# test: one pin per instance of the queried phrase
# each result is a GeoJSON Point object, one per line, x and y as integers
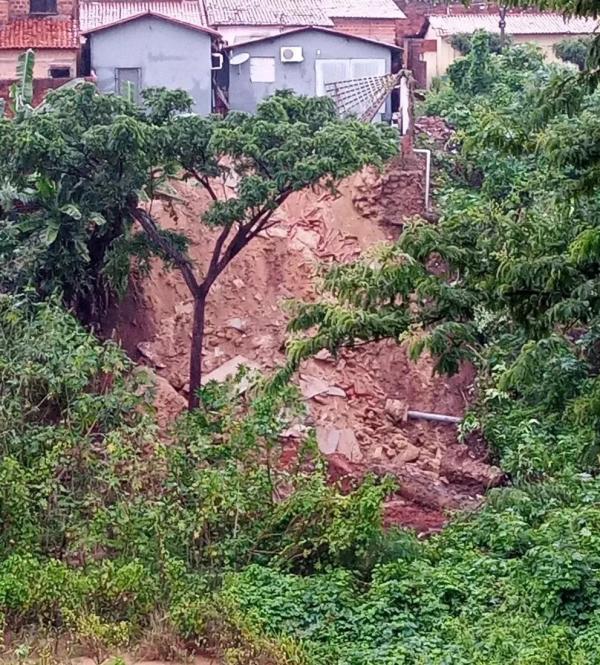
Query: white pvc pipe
{"type": "Point", "coordinates": [437, 417]}
{"type": "Point", "coordinates": [427, 154]}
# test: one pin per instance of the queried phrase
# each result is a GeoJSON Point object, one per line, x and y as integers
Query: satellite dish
{"type": "Point", "coordinates": [239, 59]}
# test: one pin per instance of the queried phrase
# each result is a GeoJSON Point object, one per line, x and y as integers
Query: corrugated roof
{"type": "Point", "coordinates": [266, 12]}
{"type": "Point", "coordinates": [96, 14]}
{"type": "Point", "coordinates": [516, 24]}
{"type": "Point", "coordinates": [362, 9]}
{"type": "Point", "coordinates": [329, 31]}
{"type": "Point", "coordinates": [160, 17]}
{"type": "Point", "coordinates": [40, 33]}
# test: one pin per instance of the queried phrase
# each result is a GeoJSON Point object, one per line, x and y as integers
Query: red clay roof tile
{"type": "Point", "coordinates": [44, 32]}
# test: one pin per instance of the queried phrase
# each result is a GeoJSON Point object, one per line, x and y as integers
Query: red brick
{"type": "Point", "coordinates": [383, 30]}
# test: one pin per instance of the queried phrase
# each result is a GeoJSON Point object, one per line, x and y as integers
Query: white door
{"type": "Point", "coordinates": [329, 71]}
{"type": "Point", "coordinates": [362, 68]}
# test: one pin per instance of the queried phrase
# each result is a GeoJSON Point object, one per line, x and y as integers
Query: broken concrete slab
{"type": "Point", "coordinates": [229, 369]}
{"type": "Point", "coordinates": [297, 431]}
{"type": "Point", "coordinates": [305, 238]}
{"type": "Point", "coordinates": [311, 386]}
{"type": "Point", "coordinates": [146, 350]}
{"type": "Point", "coordinates": [327, 439]}
{"type": "Point", "coordinates": [277, 232]}
{"type": "Point", "coordinates": [396, 410]}
{"type": "Point", "coordinates": [168, 402]}
{"type": "Point", "coordinates": [237, 324]}
{"type": "Point", "coordinates": [342, 441]}
{"type": "Point", "coordinates": [407, 455]}
{"type": "Point", "coordinates": [324, 355]}
{"type": "Point", "coordinates": [348, 445]}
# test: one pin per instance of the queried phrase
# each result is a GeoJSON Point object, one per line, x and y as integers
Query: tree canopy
{"type": "Point", "coordinates": [574, 50]}
{"type": "Point", "coordinates": [76, 174]}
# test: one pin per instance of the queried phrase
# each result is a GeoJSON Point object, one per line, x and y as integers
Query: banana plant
{"type": "Point", "coordinates": [128, 91]}
{"type": "Point", "coordinates": [21, 92]}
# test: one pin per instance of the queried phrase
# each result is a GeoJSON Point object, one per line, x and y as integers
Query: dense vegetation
{"type": "Point", "coordinates": [462, 42]}
{"type": "Point", "coordinates": [518, 239]}
{"type": "Point", "coordinates": [112, 536]}
{"type": "Point", "coordinates": [105, 527]}
{"type": "Point", "coordinates": [78, 170]}
{"type": "Point", "coordinates": [574, 50]}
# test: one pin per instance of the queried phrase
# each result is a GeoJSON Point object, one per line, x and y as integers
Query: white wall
{"type": "Point", "coordinates": [167, 54]}
{"type": "Point", "coordinates": [301, 77]}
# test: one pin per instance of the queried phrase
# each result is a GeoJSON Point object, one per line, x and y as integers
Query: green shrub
{"type": "Point", "coordinates": [463, 42]}
{"type": "Point", "coordinates": [574, 50]}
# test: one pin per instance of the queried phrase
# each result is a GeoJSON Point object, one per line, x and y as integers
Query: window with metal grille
{"type": "Point", "coordinates": [42, 7]}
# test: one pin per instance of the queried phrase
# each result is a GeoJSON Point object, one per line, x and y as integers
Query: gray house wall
{"type": "Point", "coordinates": [167, 54]}
{"type": "Point", "coordinates": [244, 95]}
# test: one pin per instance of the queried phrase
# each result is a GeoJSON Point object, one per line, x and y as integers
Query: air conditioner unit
{"type": "Point", "coordinates": [291, 54]}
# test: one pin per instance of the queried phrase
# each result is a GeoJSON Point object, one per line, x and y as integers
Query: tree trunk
{"type": "Point", "coordinates": [196, 350]}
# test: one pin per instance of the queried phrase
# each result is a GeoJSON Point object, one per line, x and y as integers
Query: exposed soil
{"type": "Point", "coordinates": [353, 401]}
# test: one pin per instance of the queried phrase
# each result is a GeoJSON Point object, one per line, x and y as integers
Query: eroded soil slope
{"type": "Point", "coordinates": [356, 402]}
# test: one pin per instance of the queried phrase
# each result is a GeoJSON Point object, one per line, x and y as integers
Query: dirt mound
{"type": "Point", "coordinates": [346, 396]}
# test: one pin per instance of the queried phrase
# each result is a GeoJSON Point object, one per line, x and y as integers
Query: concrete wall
{"type": "Point", "coordinates": [439, 61]}
{"type": "Point", "coordinates": [244, 95]}
{"type": "Point", "coordinates": [167, 54]}
{"type": "Point", "coordinates": [44, 59]}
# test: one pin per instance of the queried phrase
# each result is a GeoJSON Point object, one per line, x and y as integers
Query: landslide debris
{"type": "Point", "coordinates": [350, 398]}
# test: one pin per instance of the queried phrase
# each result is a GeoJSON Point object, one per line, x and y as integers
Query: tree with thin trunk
{"type": "Point", "coordinates": [80, 173]}
{"type": "Point", "coordinates": [290, 143]}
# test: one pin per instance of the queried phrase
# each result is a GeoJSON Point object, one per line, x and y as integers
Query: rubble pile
{"type": "Point", "coordinates": [436, 129]}
{"type": "Point", "coordinates": [357, 401]}
{"type": "Point", "coordinates": [393, 196]}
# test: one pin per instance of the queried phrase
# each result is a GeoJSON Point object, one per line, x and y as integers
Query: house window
{"type": "Point", "coordinates": [42, 7]}
{"type": "Point", "coordinates": [262, 70]}
{"type": "Point", "coordinates": [128, 82]}
{"type": "Point", "coordinates": [59, 72]}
